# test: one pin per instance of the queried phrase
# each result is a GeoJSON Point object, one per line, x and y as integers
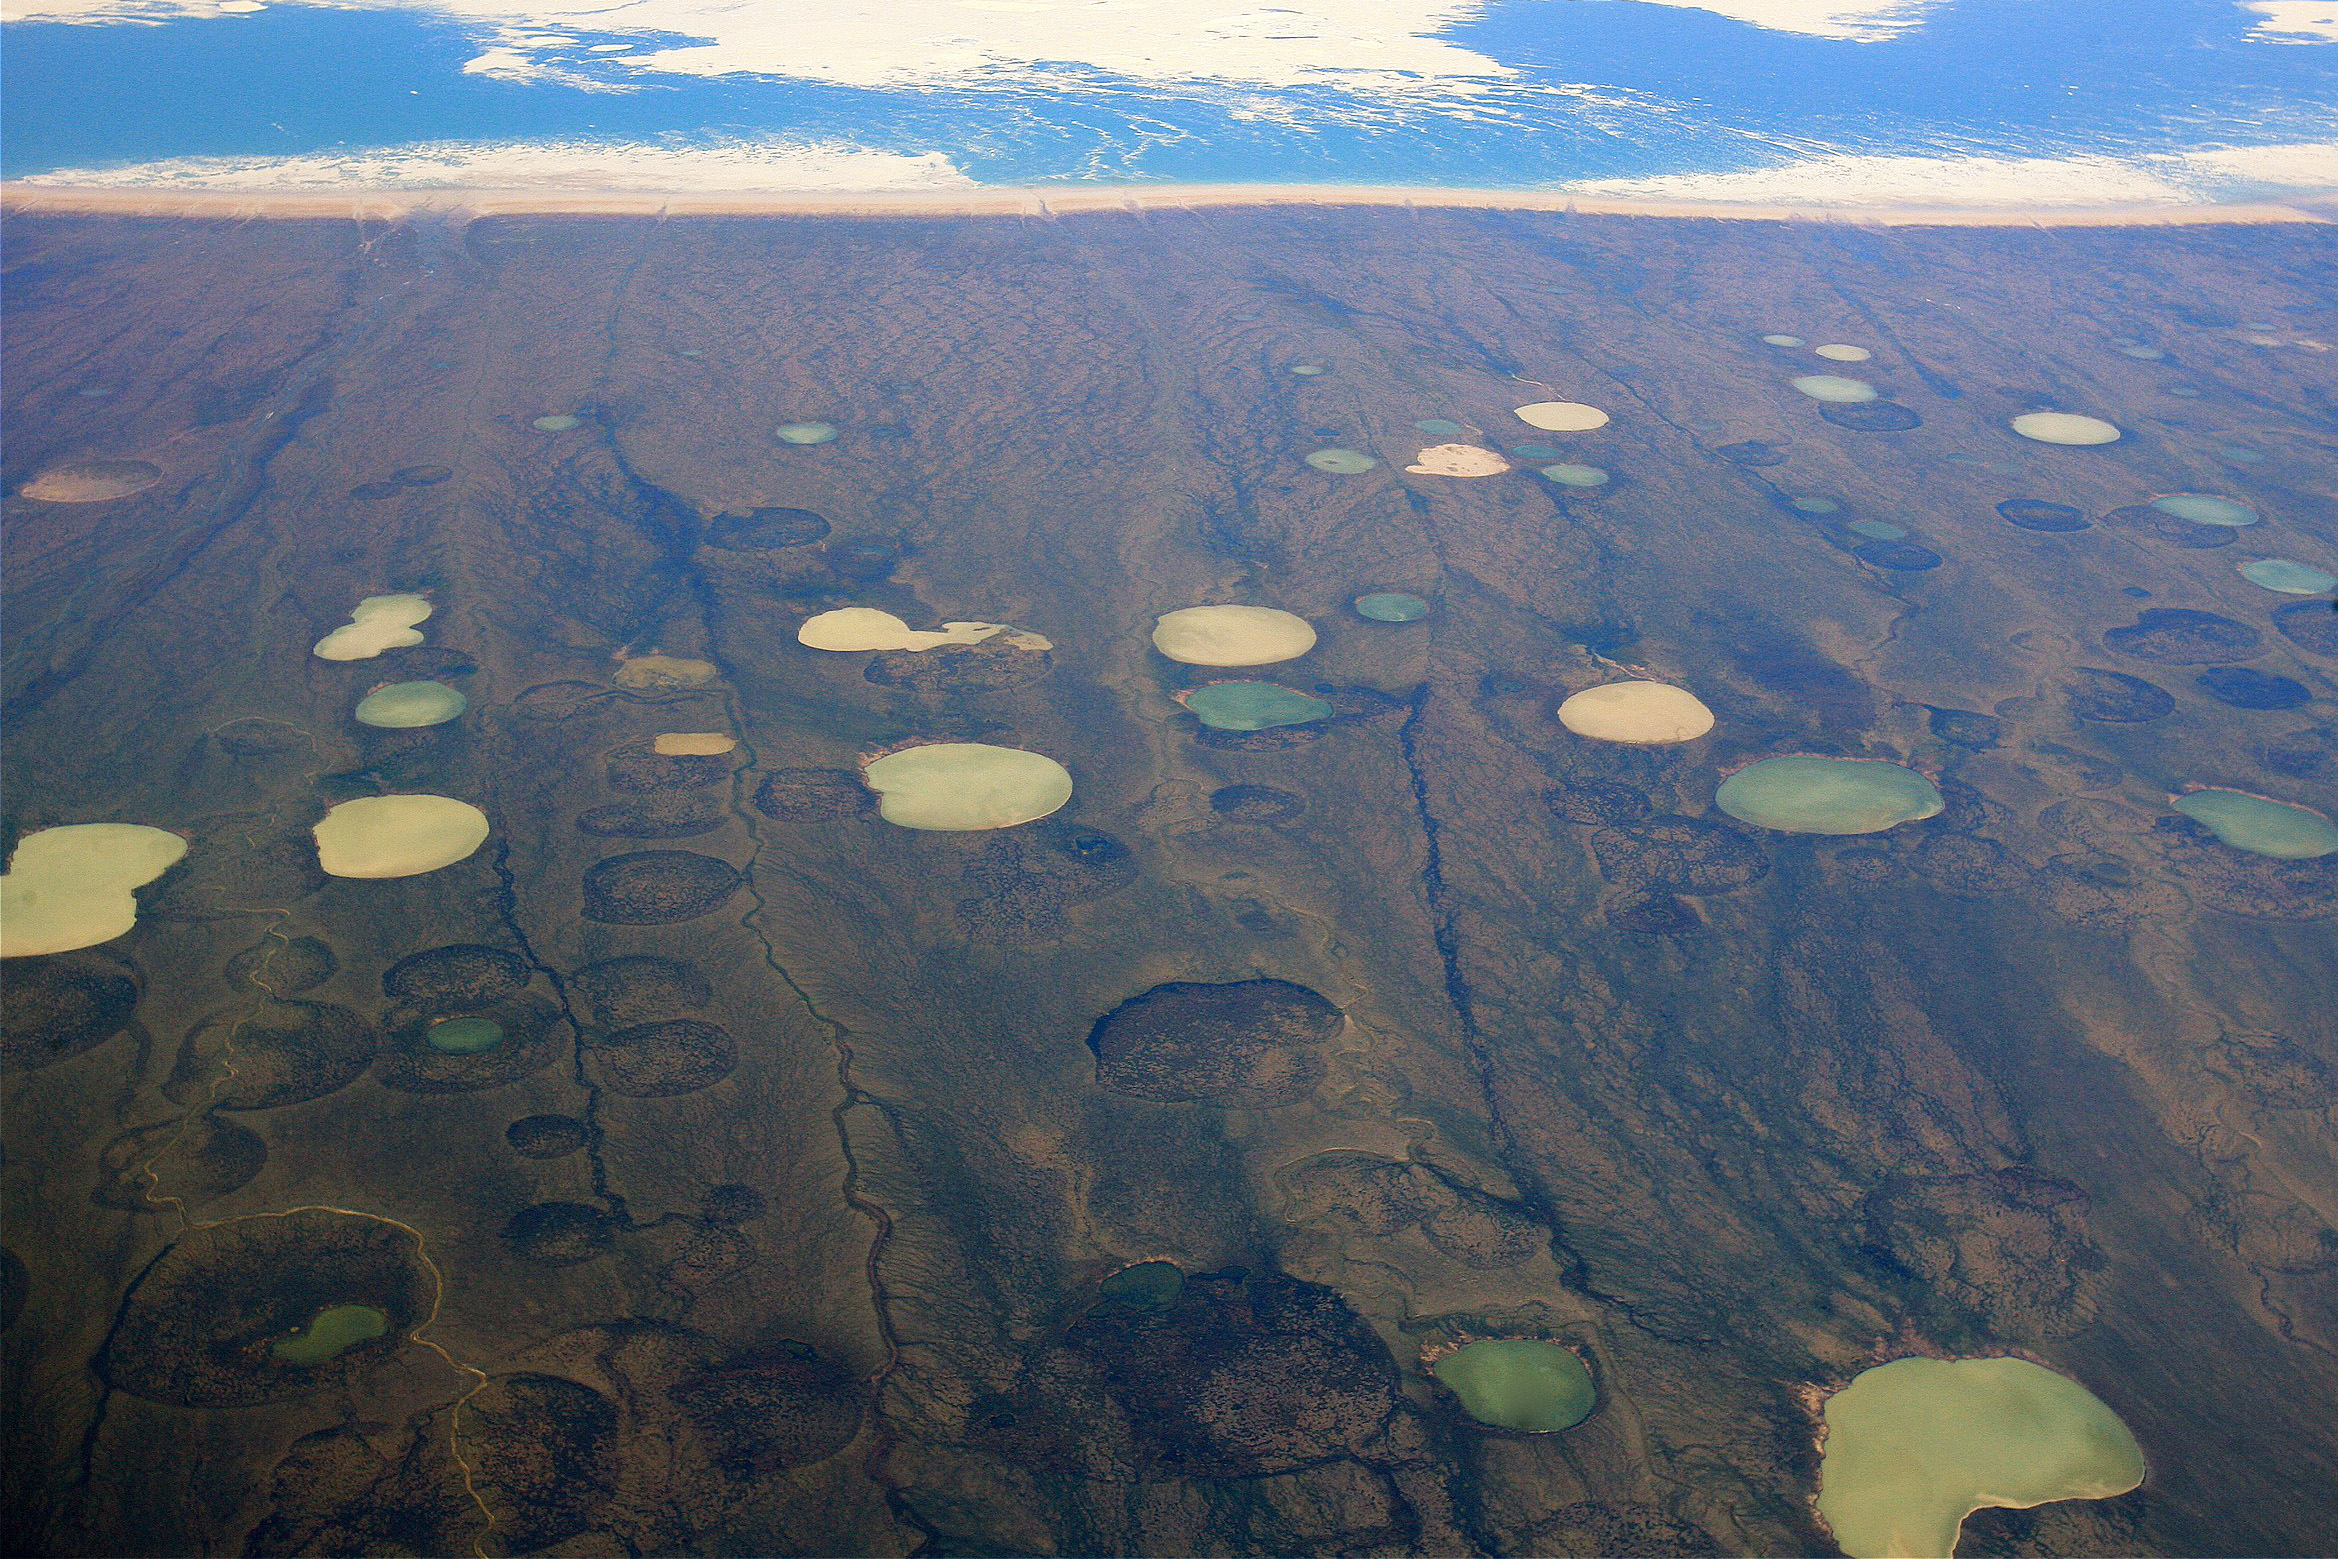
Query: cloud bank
{"type": "Point", "coordinates": [725, 168]}
{"type": "Point", "coordinates": [2194, 177]}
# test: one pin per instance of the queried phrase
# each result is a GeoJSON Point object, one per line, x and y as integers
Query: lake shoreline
{"type": "Point", "coordinates": [391, 205]}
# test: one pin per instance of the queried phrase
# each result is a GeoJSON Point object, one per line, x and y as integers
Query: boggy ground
{"type": "Point", "coordinates": [781, 1219]}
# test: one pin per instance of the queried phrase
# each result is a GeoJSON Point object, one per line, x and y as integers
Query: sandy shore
{"type": "Point", "coordinates": [393, 205]}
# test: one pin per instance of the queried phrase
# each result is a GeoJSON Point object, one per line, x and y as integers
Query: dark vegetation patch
{"type": "Point", "coordinates": [1236, 1376]}
{"type": "Point", "coordinates": [1597, 801]}
{"type": "Point", "coordinates": [671, 816]}
{"type": "Point", "coordinates": [2255, 887]}
{"type": "Point", "coordinates": [2039, 515]}
{"type": "Point", "coordinates": [732, 1204]}
{"type": "Point", "coordinates": [2172, 530]}
{"type": "Point", "coordinates": [1685, 854]}
{"type": "Point", "coordinates": [1610, 1529]}
{"type": "Point", "coordinates": [813, 795]}
{"type": "Point", "coordinates": [2310, 625]}
{"type": "Point", "coordinates": [532, 1040]}
{"type": "Point", "coordinates": [772, 1409]}
{"type": "Point", "coordinates": [417, 663]}
{"type": "Point", "coordinates": [989, 666]}
{"type": "Point", "coordinates": [1365, 1193]}
{"type": "Point", "coordinates": [2114, 697]}
{"type": "Point", "coordinates": [60, 1005]}
{"type": "Point", "coordinates": [1872, 416]}
{"type": "Point", "coordinates": [659, 1059]}
{"type": "Point", "coordinates": [559, 1234]}
{"type": "Point", "coordinates": [657, 887]}
{"type": "Point", "coordinates": [1275, 738]}
{"type": "Point", "coordinates": [197, 1328]}
{"type": "Point", "coordinates": [1653, 913]}
{"type": "Point", "coordinates": [207, 1157]}
{"type": "Point", "coordinates": [281, 1052]}
{"type": "Point", "coordinates": [2179, 636]}
{"type": "Point", "coordinates": [1966, 729]}
{"type": "Point", "coordinates": [1969, 865]}
{"type": "Point", "coordinates": [2302, 753]}
{"type": "Point", "coordinates": [2245, 687]}
{"type": "Point", "coordinates": [1249, 1044]}
{"type": "Point", "coordinates": [756, 530]}
{"type": "Point", "coordinates": [1753, 453]}
{"type": "Point", "coordinates": [337, 1491]}
{"type": "Point", "coordinates": [1783, 662]}
{"type": "Point", "coordinates": [287, 968]}
{"type": "Point", "coordinates": [638, 767]}
{"type": "Point", "coordinates": [862, 561]}
{"type": "Point", "coordinates": [1901, 556]}
{"type": "Point", "coordinates": [1025, 879]}
{"type": "Point", "coordinates": [2008, 1247]}
{"type": "Point", "coordinates": [546, 1136]}
{"type": "Point", "coordinates": [544, 1457]}
{"type": "Point", "coordinates": [457, 978]}
{"type": "Point", "coordinates": [255, 739]}
{"type": "Point", "coordinates": [637, 988]}
{"type": "Point", "coordinates": [1256, 804]}
{"type": "Point", "coordinates": [2275, 1071]}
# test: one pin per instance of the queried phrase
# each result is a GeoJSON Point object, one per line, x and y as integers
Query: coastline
{"type": "Point", "coordinates": [392, 205]}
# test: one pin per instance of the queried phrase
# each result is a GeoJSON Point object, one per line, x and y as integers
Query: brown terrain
{"type": "Point", "coordinates": [784, 1218]}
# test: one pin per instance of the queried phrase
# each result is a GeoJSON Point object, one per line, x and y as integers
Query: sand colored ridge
{"type": "Point", "coordinates": [74, 886]}
{"type": "Point", "coordinates": [1457, 460]}
{"type": "Point", "coordinates": [397, 836]}
{"type": "Point", "coordinates": [664, 671]}
{"type": "Point", "coordinates": [1835, 389]}
{"type": "Point", "coordinates": [405, 706]}
{"type": "Point", "coordinates": [866, 628]}
{"type": "Point", "coordinates": [1232, 635]}
{"type": "Point", "coordinates": [381, 622]}
{"type": "Point", "coordinates": [1916, 1445]}
{"type": "Point", "coordinates": [958, 787]}
{"type": "Point", "coordinates": [2064, 427]}
{"type": "Point", "coordinates": [92, 481]}
{"type": "Point", "coordinates": [1637, 712]}
{"type": "Point", "coordinates": [692, 744]}
{"type": "Point", "coordinates": [1562, 416]}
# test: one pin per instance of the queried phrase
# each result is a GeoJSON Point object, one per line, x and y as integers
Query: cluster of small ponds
{"type": "Point", "coordinates": [1911, 1447]}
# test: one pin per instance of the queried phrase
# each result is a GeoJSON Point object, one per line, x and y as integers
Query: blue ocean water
{"type": "Point", "coordinates": [1602, 89]}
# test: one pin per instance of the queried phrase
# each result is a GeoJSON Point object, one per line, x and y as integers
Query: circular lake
{"type": "Point", "coordinates": [1808, 794]}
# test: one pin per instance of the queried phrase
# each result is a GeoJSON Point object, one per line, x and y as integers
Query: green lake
{"type": "Point", "coordinates": [1808, 794]}
{"type": "Point", "coordinates": [1519, 1383]}
{"type": "Point", "coordinates": [336, 1330]}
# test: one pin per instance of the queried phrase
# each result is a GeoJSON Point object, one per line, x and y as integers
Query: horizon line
{"type": "Point", "coordinates": [359, 202]}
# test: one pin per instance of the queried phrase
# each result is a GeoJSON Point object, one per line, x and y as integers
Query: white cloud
{"type": "Point", "coordinates": [2294, 21]}
{"type": "Point", "coordinates": [1378, 47]}
{"type": "Point", "coordinates": [1862, 21]}
{"type": "Point", "coordinates": [746, 168]}
{"type": "Point", "coordinates": [1858, 179]}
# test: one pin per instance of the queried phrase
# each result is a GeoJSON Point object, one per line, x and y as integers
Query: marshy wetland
{"type": "Point", "coordinates": [1302, 880]}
